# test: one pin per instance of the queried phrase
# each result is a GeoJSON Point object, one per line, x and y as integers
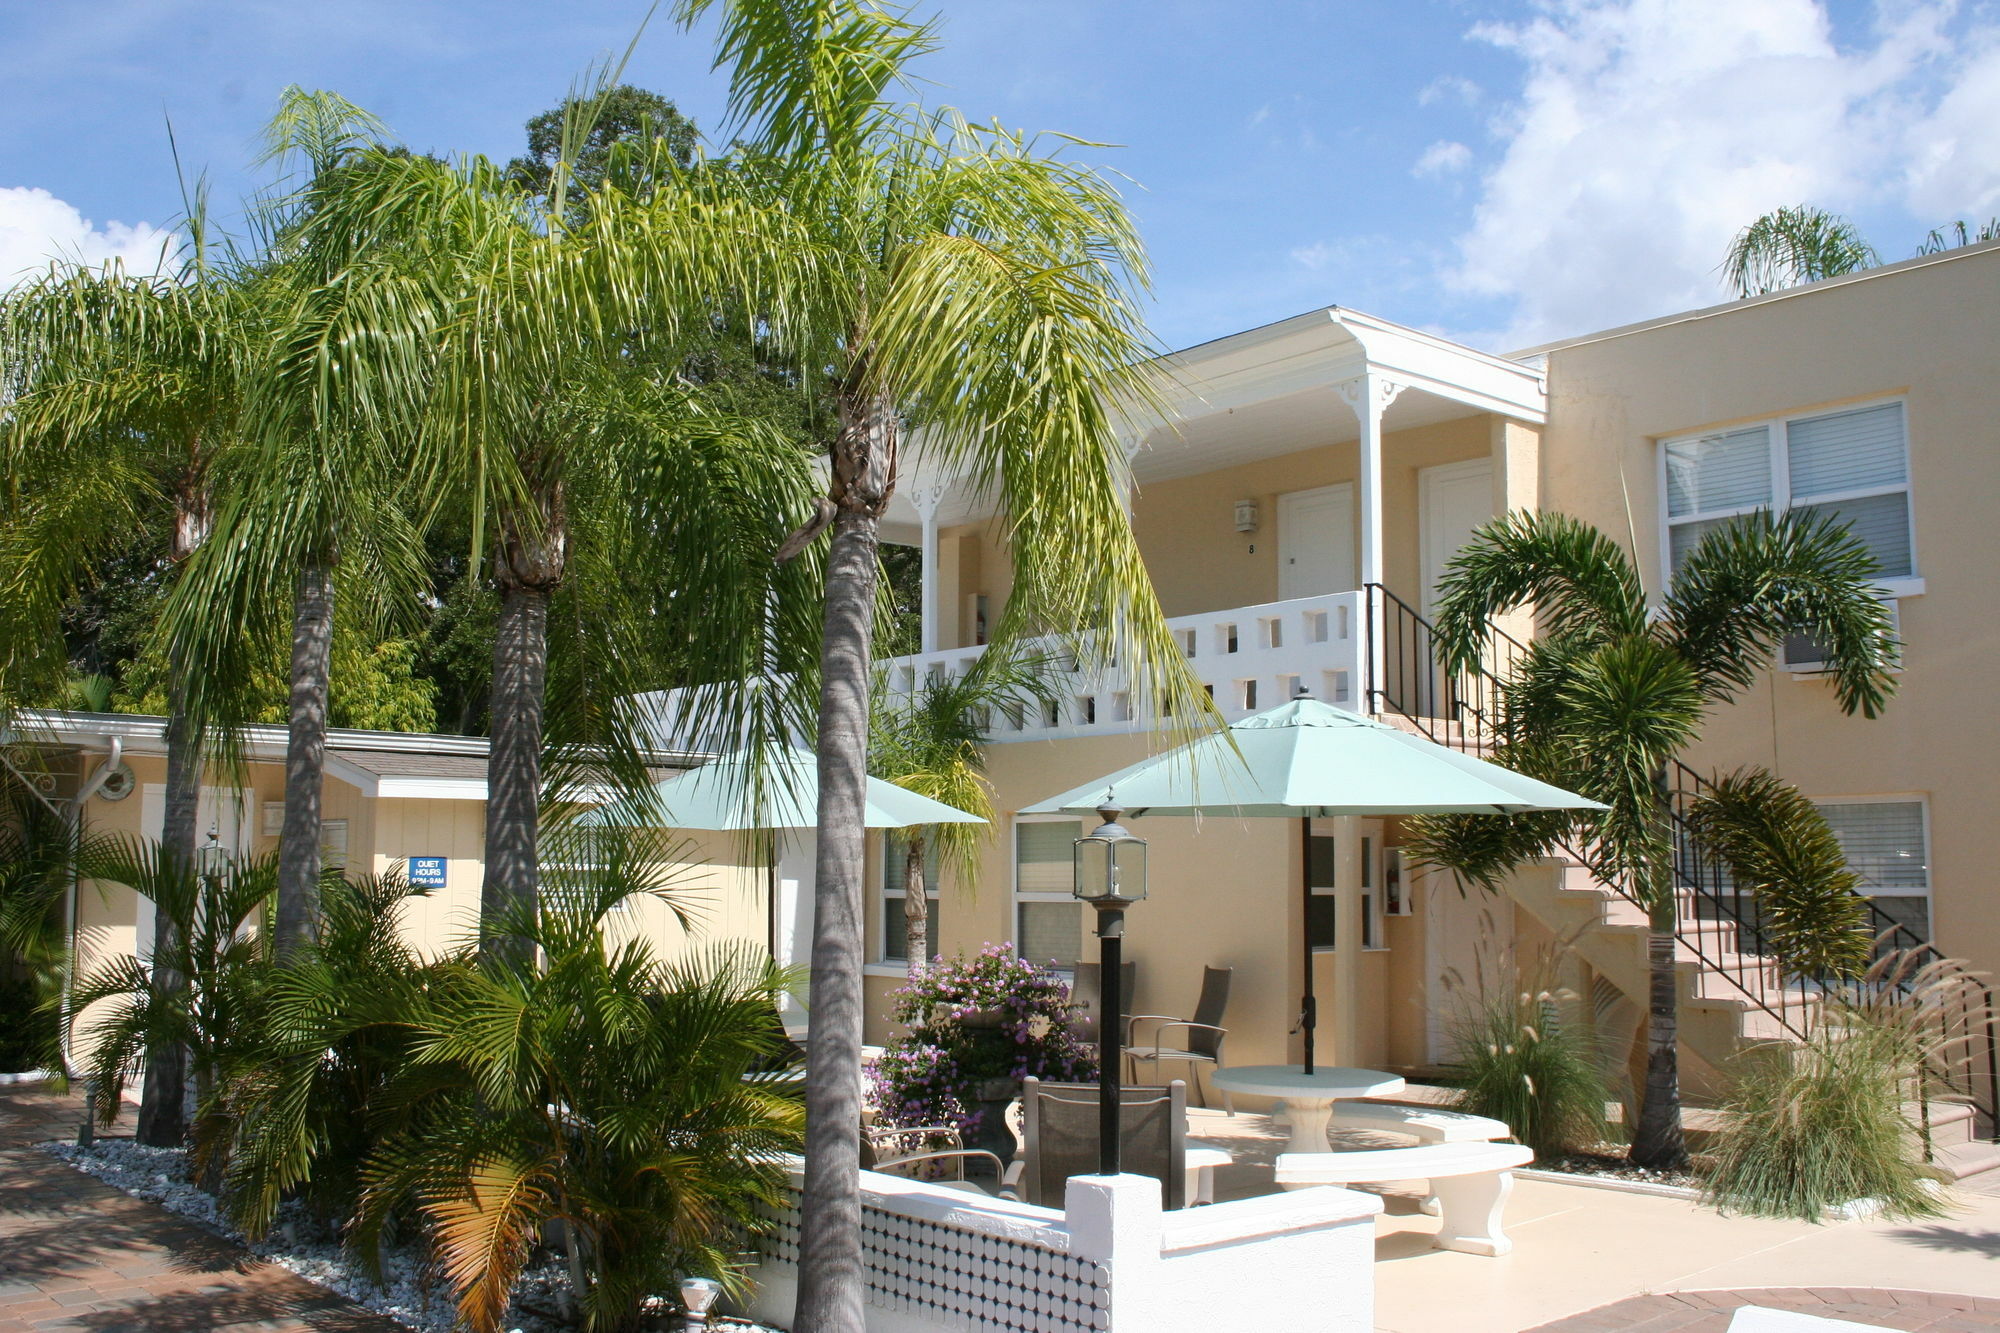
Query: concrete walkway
{"type": "Point", "coordinates": [76, 1254]}
{"type": "Point", "coordinates": [1577, 1249]}
{"type": "Point", "coordinates": [1711, 1311]}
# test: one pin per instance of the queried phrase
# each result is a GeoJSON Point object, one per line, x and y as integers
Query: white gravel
{"type": "Point", "coordinates": [298, 1242]}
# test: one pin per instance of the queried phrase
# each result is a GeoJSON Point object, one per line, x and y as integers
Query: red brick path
{"type": "Point", "coordinates": [76, 1254]}
{"type": "Point", "coordinates": [1710, 1311]}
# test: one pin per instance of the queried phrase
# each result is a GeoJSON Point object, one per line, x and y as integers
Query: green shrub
{"type": "Point", "coordinates": [1521, 1062]}
{"type": "Point", "coordinates": [28, 1028]}
{"type": "Point", "coordinates": [1822, 1124]}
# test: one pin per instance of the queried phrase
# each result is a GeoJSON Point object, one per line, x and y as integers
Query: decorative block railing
{"type": "Point", "coordinates": [940, 1259]}
{"type": "Point", "coordinates": [1249, 658]}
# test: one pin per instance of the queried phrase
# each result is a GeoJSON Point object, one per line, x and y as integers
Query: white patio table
{"type": "Point", "coordinates": [1308, 1098]}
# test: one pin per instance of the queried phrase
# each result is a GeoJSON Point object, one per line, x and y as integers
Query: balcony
{"type": "Point", "coordinates": [1249, 658]}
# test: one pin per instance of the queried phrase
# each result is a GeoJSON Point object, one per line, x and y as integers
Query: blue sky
{"type": "Point", "coordinates": [1500, 172]}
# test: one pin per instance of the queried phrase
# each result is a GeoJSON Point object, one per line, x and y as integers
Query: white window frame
{"type": "Point", "coordinates": [1780, 502]}
{"type": "Point", "coordinates": [884, 895]}
{"type": "Point", "coordinates": [1017, 897]}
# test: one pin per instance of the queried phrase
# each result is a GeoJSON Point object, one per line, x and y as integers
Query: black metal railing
{"type": "Point", "coordinates": [1462, 708]}
{"type": "Point", "coordinates": [1457, 707]}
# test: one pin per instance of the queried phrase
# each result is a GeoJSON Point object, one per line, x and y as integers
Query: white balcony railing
{"type": "Point", "coordinates": [1249, 657]}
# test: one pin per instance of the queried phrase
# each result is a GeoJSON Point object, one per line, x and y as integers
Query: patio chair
{"type": "Point", "coordinates": [902, 1152]}
{"type": "Point", "coordinates": [1198, 1040]}
{"type": "Point", "coordinates": [1086, 997]}
{"type": "Point", "coordinates": [1060, 1120]}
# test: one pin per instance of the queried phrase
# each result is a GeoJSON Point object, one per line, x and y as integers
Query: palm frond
{"type": "Point", "coordinates": [1793, 244]}
{"type": "Point", "coordinates": [1582, 586]}
{"type": "Point", "coordinates": [1779, 849]}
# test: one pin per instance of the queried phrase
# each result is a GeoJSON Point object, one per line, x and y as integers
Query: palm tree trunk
{"type": "Point", "coordinates": [514, 763]}
{"type": "Point", "coordinates": [830, 1273]}
{"type": "Point", "coordinates": [163, 1119]}
{"type": "Point", "coordinates": [1656, 1141]}
{"type": "Point", "coordinates": [305, 760]}
{"type": "Point", "coordinates": [916, 906]}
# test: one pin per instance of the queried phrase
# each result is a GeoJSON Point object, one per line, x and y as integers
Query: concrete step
{"type": "Point", "coordinates": [1963, 1160]}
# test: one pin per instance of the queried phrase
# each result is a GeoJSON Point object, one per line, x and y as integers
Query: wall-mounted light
{"type": "Point", "coordinates": [1246, 515]}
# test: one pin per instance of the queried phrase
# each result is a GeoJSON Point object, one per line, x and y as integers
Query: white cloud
{"type": "Point", "coordinates": [36, 227]}
{"type": "Point", "coordinates": [1648, 132]}
{"type": "Point", "coordinates": [1443, 158]}
{"type": "Point", "coordinates": [1452, 88]}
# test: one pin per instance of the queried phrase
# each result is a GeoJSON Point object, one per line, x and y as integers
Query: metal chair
{"type": "Point", "coordinates": [1086, 997]}
{"type": "Point", "coordinates": [895, 1152]}
{"type": "Point", "coordinates": [1060, 1120]}
{"type": "Point", "coordinates": [1201, 1042]}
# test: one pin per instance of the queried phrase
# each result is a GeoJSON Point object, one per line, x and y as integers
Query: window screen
{"type": "Point", "coordinates": [1045, 856]}
{"type": "Point", "coordinates": [1884, 843]}
{"type": "Point", "coordinates": [1050, 932]}
{"type": "Point", "coordinates": [894, 931]}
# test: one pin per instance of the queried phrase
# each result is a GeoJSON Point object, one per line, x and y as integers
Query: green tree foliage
{"type": "Point", "coordinates": [621, 115]}
{"type": "Point", "coordinates": [375, 686]}
{"type": "Point", "coordinates": [1779, 849]}
{"type": "Point", "coordinates": [1613, 688]}
{"type": "Point", "coordinates": [1794, 244]}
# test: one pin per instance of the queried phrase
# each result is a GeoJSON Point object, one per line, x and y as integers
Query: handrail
{"type": "Point", "coordinates": [1461, 709]}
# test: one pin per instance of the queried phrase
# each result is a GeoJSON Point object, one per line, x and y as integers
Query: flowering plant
{"type": "Point", "coordinates": [972, 1022]}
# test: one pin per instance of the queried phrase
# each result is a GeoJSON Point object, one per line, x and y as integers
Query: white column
{"type": "Point", "coordinates": [1369, 395]}
{"type": "Point", "coordinates": [928, 500]}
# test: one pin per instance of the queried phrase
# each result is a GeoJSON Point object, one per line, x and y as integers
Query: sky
{"type": "Point", "coordinates": [1501, 173]}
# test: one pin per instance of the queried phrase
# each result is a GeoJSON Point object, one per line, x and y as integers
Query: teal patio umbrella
{"type": "Point", "coordinates": [778, 791]}
{"type": "Point", "coordinates": [1305, 760]}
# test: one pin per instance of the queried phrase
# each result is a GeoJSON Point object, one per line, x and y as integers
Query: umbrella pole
{"type": "Point", "coordinates": [1309, 1005]}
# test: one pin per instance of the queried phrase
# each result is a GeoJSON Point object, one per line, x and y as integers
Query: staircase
{"type": "Point", "coordinates": [1734, 990]}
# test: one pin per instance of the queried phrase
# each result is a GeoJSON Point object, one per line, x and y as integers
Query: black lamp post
{"type": "Point", "coordinates": [1110, 875]}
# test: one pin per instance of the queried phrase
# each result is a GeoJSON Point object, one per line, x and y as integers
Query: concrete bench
{"type": "Point", "coordinates": [1432, 1124]}
{"type": "Point", "coordinates": [1471, 1182]}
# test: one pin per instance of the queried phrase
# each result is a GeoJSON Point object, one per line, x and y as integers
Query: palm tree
{"type": "Point", "coordinates": [201, 996]}
{"type": "Point", "coordinates": [1794, 244]}
{"type": "Point", "coordinates": [1612, 690]}
{"type": "Point", "coordinates": [976, 296]}
{"type": "Point", "coordinates": [318, 500]}
{"type": "Point", "coordinates": [128, 397]}
{"type": "Point", "coordinates": [933, 743]}
{"type": "Point", "coordinates": [538, 427]}
{"type": "Point", "coordinates": [595, 1085]}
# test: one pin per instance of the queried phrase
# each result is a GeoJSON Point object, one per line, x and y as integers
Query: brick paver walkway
{"type": "Point", "coordinates": [1710, 1311]}
{"type": "Point", "coordinates": [76, 1254]}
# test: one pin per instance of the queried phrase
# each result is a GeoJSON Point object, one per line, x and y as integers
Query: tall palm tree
{"type": "Point", "coordinates": [933, 743]}
{"type": "Point", "coordinates": [1612, 689]}
{"type": "Point", "coordinates": [1794, 244]}
{"type": "Point", "coordinates": [318, 500]}
{"type": "Point", "coordinates": [537, 424]}
{"type": "Point", "coordinates": [976, 297]}
{"type": "Point", "coordinates": [128, 393]}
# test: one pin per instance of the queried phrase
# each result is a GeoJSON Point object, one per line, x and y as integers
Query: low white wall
{"type": "Point", "coordinates": [1112, 1259]}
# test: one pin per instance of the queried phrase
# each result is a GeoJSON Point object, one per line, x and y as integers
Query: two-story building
{"type": "Point", "coordinates": [1296, 516]}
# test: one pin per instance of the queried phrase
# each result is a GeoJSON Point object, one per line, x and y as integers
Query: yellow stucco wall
{"type": "Point", "coordinates": [1927, 335]}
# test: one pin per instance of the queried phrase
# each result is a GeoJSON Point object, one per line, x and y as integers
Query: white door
{"type": "Point", "coordinates": [1316, 542]}
{"type": "Point", "coordinates": [1453, 499]}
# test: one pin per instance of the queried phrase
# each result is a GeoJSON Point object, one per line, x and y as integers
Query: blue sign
{"type": "Point", "coordinates": [427, 872]}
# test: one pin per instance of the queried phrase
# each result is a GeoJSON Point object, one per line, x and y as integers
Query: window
{"type": "Point", "coordinates": [1322, 874]}
{"type": "Point", "coordinates": [895, 933]}
{"type": "Point", "coordinates": [1048, 920]}
{"type": "Point", "coordinates": [1887, 844]}
{"type": "Point", "coordinates": [333, 844]}
{"type": "Point", "coordinates": [1852, 464]}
